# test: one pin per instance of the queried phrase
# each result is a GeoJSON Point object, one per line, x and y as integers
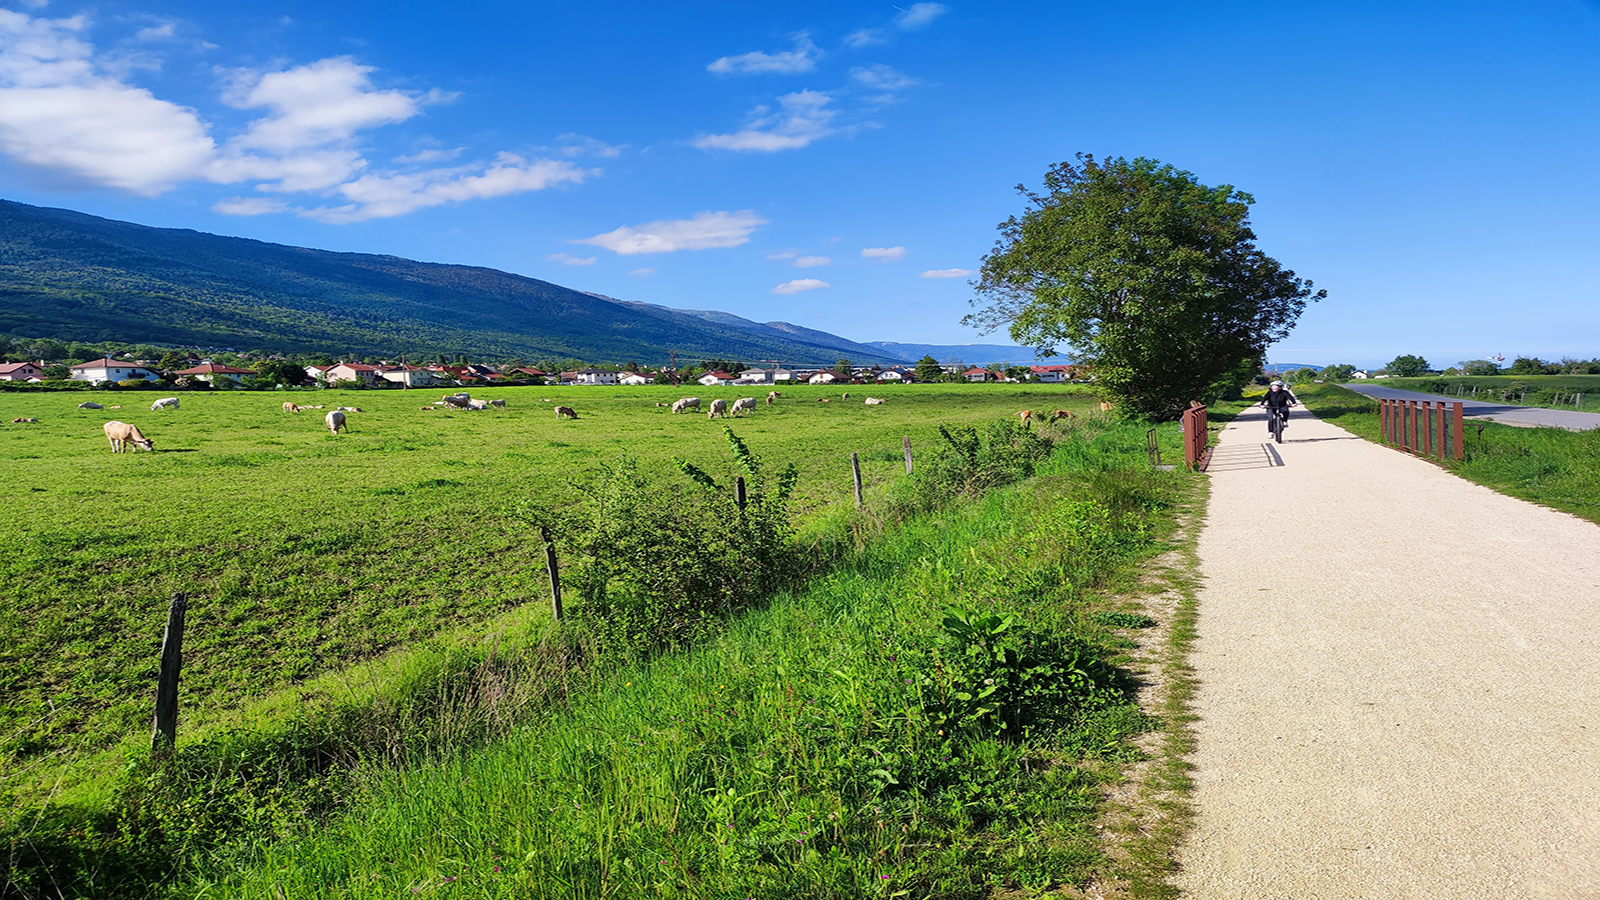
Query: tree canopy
{"type": "Point", "coordinates": [1153, 279]}
{"type": "Point", "coordinates": [1407, 366]}
{"type": "Point", "coordinates": [928, 369]}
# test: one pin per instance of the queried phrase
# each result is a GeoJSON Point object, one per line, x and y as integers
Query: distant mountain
{"type": "Point", "coordinates": [71, 276]}
{"type": "Point", "coordinates": [971, 354]}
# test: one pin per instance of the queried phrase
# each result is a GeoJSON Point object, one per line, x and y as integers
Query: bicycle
{"type": "Point", "coordinates": [1277, 418]}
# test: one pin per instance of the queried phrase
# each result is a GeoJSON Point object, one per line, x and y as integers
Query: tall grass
{"type": "Point", "coordinates": [810, 750]}
{"type": "Point", "coordinates": [1550, 466]}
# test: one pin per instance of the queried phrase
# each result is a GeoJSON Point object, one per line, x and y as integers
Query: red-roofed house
{"type": "Point", "coordinates": [1053, 374]}
{"type": "Point", "coordinates": [978, 375]}
{"type": "Point", "coordinates": [712, 379]}
{"type": "Point", "coordinates": [22, 371]}
{"type": "Point", "coordinates": [210, 372]}
{"type": "Point", "coordinates": [357, 372]}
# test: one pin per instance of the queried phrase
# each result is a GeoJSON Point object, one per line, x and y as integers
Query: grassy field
{"type": "Point", "coordinates": [1580, 392]}
{"type": "Point", "coordinates": [840, 741]}
{"type": "Point", "coordinates": [1550, 466]}
{"type": "Point", "coordinates": [304, 552]}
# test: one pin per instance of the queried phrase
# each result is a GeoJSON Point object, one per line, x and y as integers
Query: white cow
{"type": "Point", "coordinates": [477, 404]}
{"type": "Point", "coordinates": [684, 403]}
{"type": "Point", "coordinates": [719, 407]}
{"type": "Point", "coordinates": [875, 401]}
{"type": "Point", "coordinates": [164, 403]}
{"type": "Point", "coordinates": [771, 396]}
{"type": "Point", "coordinates": [744, 405]}
{"type": "Point", "coordinates": [121, 434]}
{"type": "Point", "coordinates": [458, 401]}
{"type": "Point", "coordinates": [90, 404]}
{"type": "Point", "coordinates": [335, 420]}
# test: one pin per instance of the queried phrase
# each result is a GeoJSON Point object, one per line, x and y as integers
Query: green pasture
{"type": "Point", "coordinates": [304, 552]}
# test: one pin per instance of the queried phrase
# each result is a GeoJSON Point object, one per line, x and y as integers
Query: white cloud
{"type": "Point", "coordinates": [803, 58]}
{"type": "Point", "coordinates": [578, 145]}
{"type": "Point", "coordinates": [882, 78]}
{"type": "Point", "coordinates": [383, 196]}
{"type": "Point", "coordinates": [866, 37]}
{"type": "Point", "coordinates": [804, 118]}
{"type": "Point", "coordinates": [919, 16]}
{"type": "Point", "coordinates": [249, 206]}
{"type": "Point", "coordinates": [59, 113]}
{"type": "Point", "coordinates": [883, 254]}
{"type": "Point", "coordinates": [800, 284]}
{"type": "Point", "coordinates": [948, 273]}
{"type": "Point", "coordinates": [641, 272]}
{"type": "Point", "coordinates": [70, 112]}
{"type": "Point", "coordinates": [707, 230]}
{"type": "Point", "coordinates": [568, 260]}
{"type": "Point", "coordinates": [807, 262]}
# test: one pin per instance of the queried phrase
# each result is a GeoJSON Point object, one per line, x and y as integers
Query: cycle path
{"type": "Point", "coordinates": [1509, 414]}
{"type": "Point", "coordinates": [1399, 681]}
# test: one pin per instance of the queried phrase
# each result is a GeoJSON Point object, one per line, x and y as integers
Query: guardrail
{"type": "Point", "coordinates": [1195, 436]}
{"type": "Point", "coordinates": [1424, 427]}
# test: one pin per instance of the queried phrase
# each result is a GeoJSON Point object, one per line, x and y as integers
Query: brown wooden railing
{"type": "Point", "coordinates": [1195, 436]}
{"type": "Point", "coordinates": [1424, 427]}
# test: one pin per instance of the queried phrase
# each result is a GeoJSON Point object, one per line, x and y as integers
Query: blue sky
{"type": "Point", "coordinates": [843, 165]}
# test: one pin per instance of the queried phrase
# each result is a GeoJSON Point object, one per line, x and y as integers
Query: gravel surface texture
{"type": "Point", "coordinates": [1535, 416]}
{"type": "Point", "coordinates": [1399, 681]}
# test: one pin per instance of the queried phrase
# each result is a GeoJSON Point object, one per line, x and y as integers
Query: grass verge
{"type": "Point", "coordinates": [1549, 466]}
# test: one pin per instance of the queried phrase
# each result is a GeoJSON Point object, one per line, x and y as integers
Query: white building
{"type": "Point", "coordinates": [594, 376]}
{"type": "Point", "coordinates": [108, 369]}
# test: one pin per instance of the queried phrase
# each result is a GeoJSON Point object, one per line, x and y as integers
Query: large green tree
{"type": "Point", "coordinates": [1152, 278]}
{"type": "Point", "coordinates": [928, 369]}
{"type": "Point", "coordinates": [1407, 365]}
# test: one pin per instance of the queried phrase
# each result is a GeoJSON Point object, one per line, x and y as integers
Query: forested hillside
{"type": "Point", "coordinates": [75, 277]}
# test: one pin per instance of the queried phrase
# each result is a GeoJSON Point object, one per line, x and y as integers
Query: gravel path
{"type": "Point", "coordinates": [1399, 681]}
{"type": "Point", "coordinates": [1570, 419]}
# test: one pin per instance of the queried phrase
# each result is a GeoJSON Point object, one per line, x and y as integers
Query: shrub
{"type": "Point", "coordinates": [969, 463]}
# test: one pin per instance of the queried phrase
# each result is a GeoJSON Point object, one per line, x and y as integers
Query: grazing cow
{"type": "Point", "coordinates": [478, 405]}
{"type": "Point", "coordinates": [1104, 406]}
{"type": "Point", "coordinates": [458, 401]}
{"type": "Point", "coordinates": [566, 412]}
{"type": "Point", "coordinates": [1026, 416]}
{"type": "Point", "coordinates": [164, 403]}
{"type": "Point", "coordinates": [847, 395]}
{"type": "Point", "coordinates": [1059, 414]}
{"type": "Point", "coordinates": [20, 421]}
{"type": "Point", "coordinates": [743, 405]}
{"type": "Point", "coordinates": [121, 434]}
{"type": "Point", "coordinates": [335, 420]}
{"type": "Point", "coordinates": [348, 408]}
{"type": "Point", "coordinates": [684, 403]}
{"type": "Point", "coordinates": [771, 396]}
{"type": "Point", "coordinates": [498, 404]}
{"type": "Point", "coordinates": [290, 406]}
{"type": "Point", "coordinates": [90, 404]}
{"type": "Point", "coordinates": [719, 407]}
{"type": "Point", "coordinates": [876, 401]}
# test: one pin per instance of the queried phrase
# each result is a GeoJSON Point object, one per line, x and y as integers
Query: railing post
{"type": "Point", "coordinates": [1442, 434]}
{"type": "Point", "coordinates": [855, 470]}
{"type": "Point", "coordinates": [1456, 430]}
{"type": "Point", "coordinates": [1383, 420]}
{"type": "Point", "coordinates": [164, 734]}
{"type": "Point", "coordinates": [553, 568]}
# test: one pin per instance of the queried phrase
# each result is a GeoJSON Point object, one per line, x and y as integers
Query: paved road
{"type": "Point", "coordinates": [1570, 419]}
{"type": "Point", "coordinates": [1399, 681]}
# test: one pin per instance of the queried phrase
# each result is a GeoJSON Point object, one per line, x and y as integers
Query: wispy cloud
{"type": "Point", "coordinates": [948, 273]}
{"type": "Point", "coordinates": [881, 78]}
{"type": "Point", "coordinates": [581, 145]}
{"type": "Point", "coordinates": [434, 155]}
{"type": "Point", "coordinates": [641, 272]}
{"type": "Point", "coordinates": [800, 284]}
{"type": "Point", "coordinates": [803, 58]}
{"type": "Point", "coordinates": [919, 16]}
{"type": "Point", "coordinates": [570, 260]}
{"type": "Point", "coordinates": [809, 262]}
{"type": "Point", "coordinates": [803, 118]}
{"type": "Point", "coordinates": [74, 114]}
{"type": "Point", "coordinates": [705, 231]}
{"type": "Point", "coordinates": [866, 37]}
{"type": "Point", "coordinates": [883, 254]}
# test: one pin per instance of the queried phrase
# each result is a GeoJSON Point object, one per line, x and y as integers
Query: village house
{"type": "Point", "coordinates": [714, 379]}
{"type": "Point", "coordinates": [1052, 374]}
{"type": "Point", "coordinates": [591, 376]}
{"type": "Point", "coordinates": [764, 376]}
{"type": "Point", "coordinates": [107, 369]}
{"type": "Point", "coordinates": [22, 371]}
{"type": "Point", "coordinates": [897, 375]}
{"type": "Point", "coordinates": [361, 373]}
{"type": "Point", "coordinates": [406, 375]}
{"type": "Point", "coordinates": [210, 372]}
{"type": "Point", "coordinates": [978, 375]}
{"type": "Point", "coordinates": [823, 378]}
{"type": "Point", "coordinates": [634, 379]}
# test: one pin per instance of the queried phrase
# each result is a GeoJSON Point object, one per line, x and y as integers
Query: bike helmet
{"type": "Point", "coordinates": [1277, 384]}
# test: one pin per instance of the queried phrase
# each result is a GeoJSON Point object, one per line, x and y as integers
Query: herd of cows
{"type": "Point", "coordinates": [123, 435]}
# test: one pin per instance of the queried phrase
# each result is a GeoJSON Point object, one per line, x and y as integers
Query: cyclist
{"type": "Point", "coordinates": [1277, 401]}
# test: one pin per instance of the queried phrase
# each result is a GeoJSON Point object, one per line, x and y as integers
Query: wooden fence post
{"type": "Point", "coordinates": [1456, 431]}
{"type": "Point", "coordinates": [906, 443]}
{"type": "Point", "coordinates": [738, 492]}
{"type": "Point", "coordinates": [555, 572]}
{"type": "Point", "coordinates": [855, 468]}
{"type": "Point", "coordinates": [164, 734]}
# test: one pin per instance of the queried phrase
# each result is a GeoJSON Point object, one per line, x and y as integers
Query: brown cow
{"type": "Point", "coordinates": [566, 412]}
{"type": "Point", "coordinates": [1104, 406]}
{"type": "Point", "coordinates": [1026, 416]}
{"type": "Point", "coordinates": [121, 434]}
{"type": "Point", "coordinates": [1058, 415]}
{"type": "Point", "coordinates": [289, 406]}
